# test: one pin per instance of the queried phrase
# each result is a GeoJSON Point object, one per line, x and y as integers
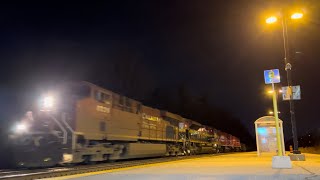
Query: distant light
{"type": "Point", "coordinates": [270, 91]}
{"type": "Point", "coordinates": [271, 112]}
{"type": "Point", "coordinates": [271, 20]}
{"type": "Point", "coordinates": [280, 91]}
{"type": "Point", "coordinates": [296, 15]}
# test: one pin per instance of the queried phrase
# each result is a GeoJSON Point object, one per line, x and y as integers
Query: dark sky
{"type": "Point", "coordinates": [219, 48]}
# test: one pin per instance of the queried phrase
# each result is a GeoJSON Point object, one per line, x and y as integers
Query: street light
{"type": "Point", "coordinates": [270, 91]}
{"type": "Point", "coordinates": [297, 15]}
{"type": "Point", "coordinates": [288, 66]}
{"type": "Point", "coordinates": [271, 112]}
{"type": "Point", "coordinates": [271, 20]}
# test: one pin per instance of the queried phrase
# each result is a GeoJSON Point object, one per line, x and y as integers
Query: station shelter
{"type": "Point", "coordinates": [266, 135]}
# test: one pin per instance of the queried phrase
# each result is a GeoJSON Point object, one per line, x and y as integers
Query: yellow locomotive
{"type": "Point", "coordinates": [84, 123]}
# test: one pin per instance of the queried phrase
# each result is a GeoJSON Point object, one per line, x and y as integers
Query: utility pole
{"type": "Point", "coordinates": [288, 68]}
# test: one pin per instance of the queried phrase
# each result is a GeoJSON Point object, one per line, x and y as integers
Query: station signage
{"type": "Point", "coordinates": [291, 93]}
{"type": "Point", "coordinates": [271, 76]}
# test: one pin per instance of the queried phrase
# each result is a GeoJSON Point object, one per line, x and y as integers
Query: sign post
{"type": "Point", "coordinates": [270, 77]}
{"type": "Point", "coordinates": [275, 110]}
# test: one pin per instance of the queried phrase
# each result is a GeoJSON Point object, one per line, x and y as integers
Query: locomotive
{"type": "Point", "coordinates": [84, 123]}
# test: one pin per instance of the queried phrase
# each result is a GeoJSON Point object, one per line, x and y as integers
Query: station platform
{"type": "Point", "coordinates": [239, 166]}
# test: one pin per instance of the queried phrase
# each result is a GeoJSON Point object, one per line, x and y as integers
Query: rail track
{"type": "Point", "coordinates": [80, 169]}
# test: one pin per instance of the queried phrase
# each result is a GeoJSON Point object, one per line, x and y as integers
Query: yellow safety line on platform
{"type": "Point", "coordinates": [119, 169]}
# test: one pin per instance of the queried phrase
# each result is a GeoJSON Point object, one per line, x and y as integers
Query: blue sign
{"type": "Point", "coordinates": [262, 131]}
{"type": "Point", "coordinates": [271, 76]}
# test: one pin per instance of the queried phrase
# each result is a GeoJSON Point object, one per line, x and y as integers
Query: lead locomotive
{"type": "Point", "coordinates": [84, 123]}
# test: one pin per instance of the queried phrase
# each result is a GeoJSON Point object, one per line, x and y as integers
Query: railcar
{"type": "Point", "coordinates": [84, 123]}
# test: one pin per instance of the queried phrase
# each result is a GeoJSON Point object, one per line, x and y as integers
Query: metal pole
{"type": "Point", "coordinates": [288, 67]}
{"type": "Point", "coordinates": [282, 138]}
{"type": "Point", "coordinates": [257, 138]}
{"type": "Point", "coordinates": [275, 112]}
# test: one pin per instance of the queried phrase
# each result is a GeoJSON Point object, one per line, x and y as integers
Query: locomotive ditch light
{"type": "Point", "coordinates": [21, 128]}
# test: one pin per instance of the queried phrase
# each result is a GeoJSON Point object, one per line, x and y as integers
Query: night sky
{"type": "Point", "coordinates": [217, 48]}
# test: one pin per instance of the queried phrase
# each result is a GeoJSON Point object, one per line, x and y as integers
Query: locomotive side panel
{"type": "Point", "coordinates": [236, 142]}
{"type": "Point", "coordinates": [124, 124]}
{"type": "Point", "coordinates": [107, 116]}
{"type": "Point", "coordinates": [89, 121]}
{"type": "Point", "coordinates": [93, 113]}
{"type": "Point", "coordinates": [223, 139]}
{"type": "Point", "coordinates": [195, 135]}
{"type": "Point", "coordinates": [153, 127]}
{"type": "Point", "coordinates": [173, 120]}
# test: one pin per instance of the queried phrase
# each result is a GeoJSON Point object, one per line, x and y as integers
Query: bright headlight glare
{"type": "Point", "coordinates": [48, 102]}
{"type": "Point", "coordinates": [21, 127]}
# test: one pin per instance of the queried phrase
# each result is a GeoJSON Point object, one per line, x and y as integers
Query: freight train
{"type": "Point", "coordinates": [85, 123]}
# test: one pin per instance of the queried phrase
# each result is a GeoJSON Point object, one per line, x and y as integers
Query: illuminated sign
{"type": "Point", "coordinates": [271, 76]}
{"type": "Point", "coordinates": [262, 131]}
{"type": "Point", "coordinates": [291, 92]}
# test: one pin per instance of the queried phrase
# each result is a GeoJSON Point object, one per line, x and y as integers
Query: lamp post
{"type": "Point", "coordinates": [288, 67]}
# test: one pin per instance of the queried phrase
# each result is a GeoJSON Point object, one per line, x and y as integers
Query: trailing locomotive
{"type": "Point", "coordinates": [84, 123]}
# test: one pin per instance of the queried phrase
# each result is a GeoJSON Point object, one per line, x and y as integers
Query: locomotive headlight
{"type": "Point", "coordinates": [21, 128]}
{"type": "Point", "coordinates": [47, 103]}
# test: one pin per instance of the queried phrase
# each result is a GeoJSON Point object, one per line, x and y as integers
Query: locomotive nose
{"type": "Point", "coordinates": [35, 150]}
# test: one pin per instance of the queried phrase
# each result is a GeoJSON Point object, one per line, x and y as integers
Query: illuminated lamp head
{"type": "Point", "coordinates": [47, 103]}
